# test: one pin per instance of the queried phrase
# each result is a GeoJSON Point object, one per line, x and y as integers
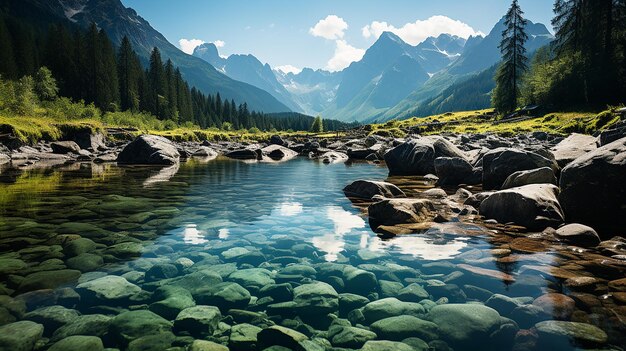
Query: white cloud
{"type": "Point", "coordinates": [187, 45]}
{"type": "Point", "coordinates": [344, 55]}
{"type": "Point", "coordinates": [332, 27]}
{"type": "Point", "coordinates": [219, 43]}
{"type": "Point", "coordinates": [289, 69]}
{"type": "Point", "coordinates": [416, 32]}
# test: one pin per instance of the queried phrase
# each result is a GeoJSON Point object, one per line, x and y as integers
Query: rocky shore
{"type": "Point", "coordinates": [556, 204]}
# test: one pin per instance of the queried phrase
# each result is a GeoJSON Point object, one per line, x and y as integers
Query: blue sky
{"type": "Point", "coordinates": [289, 32]}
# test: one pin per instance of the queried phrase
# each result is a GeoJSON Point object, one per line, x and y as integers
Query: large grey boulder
{"type": "Point", "coordinates": [593, 189]}
{"type": "Point", "coordinates": [278, 152]}
{"type": "Point", "coordinates": [417, 156]}
{"type": "Point", "coordinates": [149, 150]}
{"type": "Point", "coordinates": [533, 206]}
{"type": "Point", "coordinates": [367, 189]}
{"type": "Point", "coordinates": [108, 289]}
{"type": "Point", "coordinates": [543, 175]}
{"type": "Point", "coordinates": [455, 171]}
{"type": "Point", "coordinates": [64, 147]}
{"type": "Point", "coordinates": [132, 325]}
{"type": "Point", "coordinates": [578, 234]}
{"type": "Point", "coordinates": [401, 211]}
{"type": "Point", "coordinates": [573, 147]}
{"type": "Point", "coordinates": [499, 164]}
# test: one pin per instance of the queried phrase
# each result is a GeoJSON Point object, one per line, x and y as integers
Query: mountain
{"type": "Point", "coordinates": [247, 69]}
{"type": "Point", "coordinates": [313, 90]}
{"type": "Point", "coordinates": [437, 53]}
{"type": "Point", "coordinates": [118, 21]}
{"type": "Point", "coordinates": [485, 53]}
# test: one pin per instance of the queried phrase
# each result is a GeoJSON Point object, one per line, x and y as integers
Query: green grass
{"type": "Point", "coordinates": [33, 129]}
{"type": "Point", "coordinates": [484, 121]}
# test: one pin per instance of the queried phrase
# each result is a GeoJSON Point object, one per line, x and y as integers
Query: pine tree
{"type": "Point", "coordinates": [107, 84]}
{"type": "Point", "coordinates": [514, 63]}
{"type": "Point", "coordinates": [157, 84]}
{"type": "Point", "coordinates": [318, 125]}
{"type": "Point", "coordinates": [129, 71]}
{"type": "Point", "coordinates": [45, 85]}
{"type": "Point", "coordinates": [172, 99]}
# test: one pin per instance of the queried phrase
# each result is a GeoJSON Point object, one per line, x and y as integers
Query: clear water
{"type": "Point", "coordinates": [232, 216]}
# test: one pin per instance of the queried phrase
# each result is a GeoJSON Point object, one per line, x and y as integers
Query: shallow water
{"type": "Point", "coordinates": [250, 223]}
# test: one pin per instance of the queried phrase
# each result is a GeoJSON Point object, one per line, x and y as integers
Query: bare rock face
{"type": "Point", "coordinates": [573, 147]}
{"type": "Point", "coordinates": [417, 156]}
{"type": "Point", "coordinates": [593, 189]}
{"type": "Point", "coordinates": [543, 175]}
{"type": "Point", "coordinates": [499, 164]}
{"type": "Point", "coordinates": [533, 206]}
{"type": "Point", "coordinates": [149, 150]}
{"type": "Point", "coordinates": [367, 189]}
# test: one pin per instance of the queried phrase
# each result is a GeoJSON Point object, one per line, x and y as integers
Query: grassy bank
{"type": "Point", "coordinates": [485, 121]}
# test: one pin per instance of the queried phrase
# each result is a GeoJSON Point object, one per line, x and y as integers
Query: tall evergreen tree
{"type": "Point", "coordinates": [157, 84]}
{"type": "Point", "coordinates": [107, 84]}
{"type": "Point", "coordinates": [129, 72]}
{"type": "Point", "coordinates": [514, 58]}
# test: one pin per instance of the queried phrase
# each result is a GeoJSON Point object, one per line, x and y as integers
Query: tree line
{"type": "Point", "coordinates": [88, 67]}
{"type": "Point", "coordinates": [584, 67]}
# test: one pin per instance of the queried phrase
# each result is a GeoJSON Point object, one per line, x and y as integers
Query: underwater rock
{"type": "Point", "coordinates": [367, 189]}
{"type": "Point", "coordinates": [391, 307]}
{"type": "Point", "coordinates": [401, 327]}
{"type": "Point", "coordinates": [78, 343]}
{"type": "Point", "coordinates": [578, 234]}
{"type": "Point", "coordinates": [198, 320]}
{"type": "Point", "coordinates": [107, 289]}
{"type": "Point", "coordinates": [20, 336]}
{"type": "Point", "coordinates": [131, 325]}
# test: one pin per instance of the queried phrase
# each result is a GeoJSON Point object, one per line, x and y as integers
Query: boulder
{"type": "Point", "coordinates": [386, 345]}
{"type": "Point", "coordinates": [89, 324]}
{"type": "Point", "coordinates": [331, 157]}
{"type": "Point", "coordinates": [278, 152]}
{"type": "Point", "coordinates": [277, 140]}
{"type": "Point", "coordinates": [401, 211]}
{"type": "Point", "coordinates": [401, 327]}
{"type": "Point", "coordinates": [572, 147]}
{"type": "Point", "coordinates": [205, 345]}
{"type": "Point", "coordinates": [499, 164]}
{"type": "Point", "coordinates": [243, 336]}
{"type": "Point", "coordinates": [543, 175]}
{"type": "Point", "coordinates": [52, 317]}
{"type": "Point", "coordinates": [578, 234]}
{"type": "Point", "coordinates": [198, 320]}
{"type": "Point", "coordinates": [532, 206]}
{"type": "Point", "coordinates": [244, 154]}
{"type": "Point", "coordinates": [472, 326]}
{"type": "Point", "coordinates": [205, 151]}
{"type": "Point", "coordinates": [455, 171]}
{"type": "Point", "coordinates": [349, 337]}
{"type": "Point", "coordinates": [280, 336]}
{"type": "Point", "coordinates": [131, 325]}
{"type": "Point", "coordinates": [593, 189]}
{"type": "Point", "coordinates": [367, 189]}
{"type": "Point", "coordinates": [20, 336]}
{"type": "Point", "coordinates": [226, 296]}
{"type": "Point", "coordinates": [417, 156]}
{"type": "Point", "coordinates": [64, 147]}
{"type": "Point", "coordinates": [315, 299]}
{"type": "Point", "coordinates": [391, 307]}
{"type": "Point", "coordinates": [564, 334]}
{"type": "Point", "coordinates": [149, 150]}
{"type": "Point", "coordinates": [78, 343]}
{"type": "Point", "coordinates": [170, 301]}
{"type": "Point", "coordinates": [108, 289]}
{"type": "Point", "coordinates": [48, 279]}
{"type": "Point", "coordinates": [557, 305]}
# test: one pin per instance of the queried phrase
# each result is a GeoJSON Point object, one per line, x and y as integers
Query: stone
{"type": "Point", "coordinates": [280, 336]}
{"type": "Point", "coordinates": [564, 333]}
{"type": "Point", "coordinates": [558, 305]}
{"type": "Point", "coordinates": [417, 156]}
{"type": "Point", "coordinates": [85, 262]}
{"type": "Point", "coordinates": [79, 246]}
{"type": "Point", "coordinates": [149, 150]}
{"type": "Point", "coordinates": [315, 299]}
{"type": "Point", "coordinates": [455, 171]}
{"type": "Point", "coordinates": [277, 140]}
{"type": "Point", "coordinates": [225, 295]}
{"type": "Point", "coordinates": [52, 317]}
{"type": "Point", "coordinates": [533, 206]}
{"type": "Point", "coordinates": [198, 320]}
{"type": "Point", "coordinates": [390, 212]}
{"type": "Point", "coordinates": [367, 189]}
{"type": "Point", "coordinates": [89, 324]}
{"type": "Point", "coordinates": [359, 281]}
{"type": "Point", "coordinates": [11, 266]}
{"type": "Point", "coordinates": [171, 301]}
{"type": "Point", "coordinates": [252, 278]}
{"type": "Point", "coordinates": [412, 293]}
{"type": "Point", "coordinates": [161, 271]}
{"type": "Point", "coordinates": [332, 157]}
{"type": "Point", "coordinates": [526, 316]}
{"type": "Point", "coordinates": [572, 147]}
{"type": "Point", "coordinates": [205, 152]}
{"type": "Point", "coordinates": [349, 337]}
{"type": "Point", "coordinates": [110, 288]}
{"type": "Point", "coordinates": [500, 163]}
{"type": "Point", "coordinates": [543, 175]}
{"type": "Point", "coordinates": [593, 189]}
{"type": "Point", "coordinates": [64, 147]}
{"type": "Point", "coordinates": [391, 307]}
{"type": "Point", "coordinates": [488, 273]}
{"type": "Point", "coordinates": [20, 336]}
{"type": "Point", "coordinates": [349, 302]}
{"type": "Point", "coordinates": [402, 327]}
{"type": "Point", "coordinates": [468, 326]}
{"type": "Point", "coordinates": [386, 345]}
{"type": "Point", "coordinates": [243, 154]}
{"type": "Point", "coordinates": [502, 303]}
{"type": "Point", "coordinates": [578, 234]}
{"type": "Point", "coordinates": [618, 285]}
{"type": "Point", "coordinates": [48, 280]}
{"type": "Point", "coordinates": [78, 343]}
{"type": "Point", "coordinates": [204, 345]}
{"type": "Point", "coordinates": [243, 337]}
{"type": "Point", "coordinates": [131, 325]}
{"type": "Point", "coordinates": [278, 152]}
{"type": "Point", "coordinates": [158, 341]}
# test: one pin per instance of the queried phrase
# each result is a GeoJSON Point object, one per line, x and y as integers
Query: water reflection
{"type": "Point", "coordinates": [162, 175]}
{"type": "Point", "coordinates": [191, 235]}
{"type": "Point", "coordinates": [289, 209]}
{"type": "Point", "coordinates": [420, 246]}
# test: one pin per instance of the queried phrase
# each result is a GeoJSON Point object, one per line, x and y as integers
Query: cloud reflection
{"type": "Point", "coordinates": [334, 243]}
{"type": "Point", "coordinates": [191, 235]}
{"type": "Point", "coordinates": [289, 209]}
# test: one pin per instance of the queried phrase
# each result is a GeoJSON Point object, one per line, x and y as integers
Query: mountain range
{"type": "Point", "coordinates": [393, 79]}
